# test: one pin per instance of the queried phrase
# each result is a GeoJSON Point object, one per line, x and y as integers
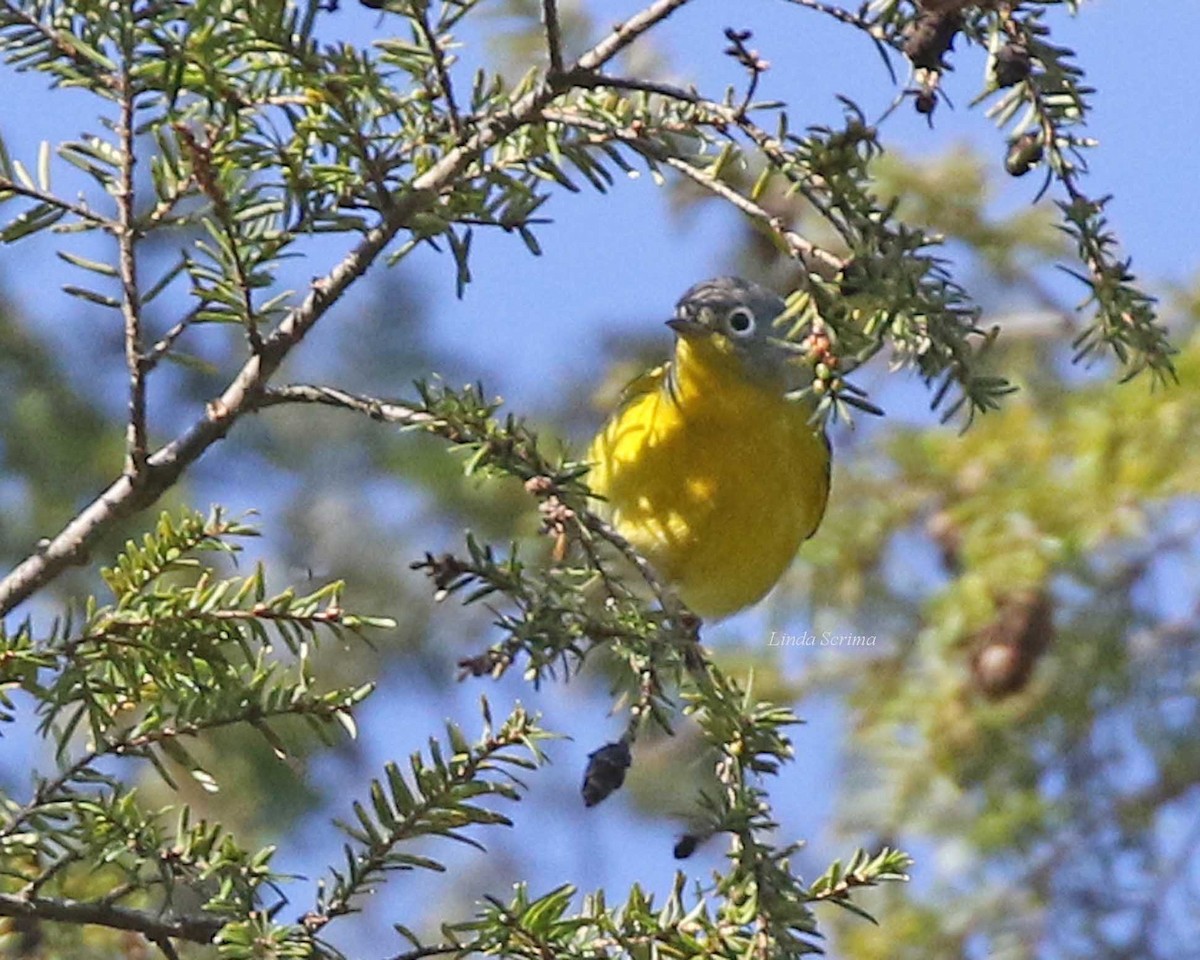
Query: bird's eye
{"type": "Point", "coordinates": [740, 321]}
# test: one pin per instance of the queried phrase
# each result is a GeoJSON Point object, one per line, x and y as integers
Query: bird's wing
{"type": "Point", "coordinates": [828, 483]}
{"type": "Point", "coordinates": [643, 384]}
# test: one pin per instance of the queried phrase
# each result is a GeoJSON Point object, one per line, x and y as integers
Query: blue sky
{"type": "Point", "coordinates": [615, 265]}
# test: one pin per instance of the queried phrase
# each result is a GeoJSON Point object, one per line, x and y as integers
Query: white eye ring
{"type": "Point", "coordinates": [740, 321]}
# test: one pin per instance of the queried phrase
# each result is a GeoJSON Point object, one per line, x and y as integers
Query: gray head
{"type": "Point", "coordinates": [729, 316]}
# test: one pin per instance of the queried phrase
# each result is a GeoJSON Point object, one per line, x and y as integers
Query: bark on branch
{"type": "Point", "coordinates": [153, 925]}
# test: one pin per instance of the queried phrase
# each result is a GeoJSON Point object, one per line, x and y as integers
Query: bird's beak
{"type": "Point", "coordinates": [687, 328]}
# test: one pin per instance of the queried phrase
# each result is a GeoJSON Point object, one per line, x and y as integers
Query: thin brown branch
{"type": "Point", "coordinates": [667, 600]}
{"type": "Point", "coordinates": [163, 346]}
{"type": "Point", "coordinates": [132, 746]}
{"type": "Point", "coordinates": [636, 84]}
{"type": "Point", "coordinates": [201, 157]}
{"type": "Point", "coordinates": [79, 210]}
{"type": "Point", "coordinates": [387, 411]}
{"type": "Point", "coordinates": [166, 947]}
{"type": "Point", "coordinates": [814, 257]}
{"type": "Point", "coordinates": [131, 306]}
{"type": "Point", "coordinates": [749, 59]}
{"type": "Point", "coordinates": [34, 886]}
{"type": "Point", "coordinates": [623, 34]}
{"type": "Point", "coordinates": [253, 334]}
{"type": "Point", "coordinates": [1053, 139]}
{"type": "Point", "coordinates": [438, 54]}
{"type": "Point", "coordinates": [588, 527]}
{"type": "Point", "coordinates": [164, 467]}
{"type": "Point", "coordinates": [553, 35]}
{"type": "Point", "coordinates": [724, 117]}
{"type": "Point", "coordinates": [153, 925]}
{"type": "Point", "coordinates": [373, 858]}
{"type": "Point", "coordinates": [430, 950]}
{"type": "Point", "coordinates": [116, 626]}
{"type": "Point", "coordinates": [46, 791]}
{"type": "Point", "coordinates": [809, 253]}
{"type": "Point", "coordinates": [857, 21]}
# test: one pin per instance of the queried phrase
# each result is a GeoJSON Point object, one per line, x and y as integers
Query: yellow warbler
{"type": "Point", "coordinates": [707, 468]}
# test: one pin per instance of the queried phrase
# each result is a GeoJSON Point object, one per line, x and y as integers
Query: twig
{"type": "Point", "coordinates": [1124, 316]}
{"type": "Point", "coordinates": [1052, 140]}
{"type": "Point", "coordinates": [686, 95]}
{"type": "Point", "coordinates": [624, 34]}
{"type": "Point", "coordinates": [117, 625]}
{"type": "Point", "coordinates": [45, 792]}
{"type": "Point", "coordinates": [682, 622]}
{"type": "Point", "coordinates": [667, 600]}
{"type": "Point", "coordinates": [203, 174]}
{"type": "Point", "coordinates": [613, 588]}
{"type": "Point", "coordinates": [79, 210]}
{"type": "Point", "coordinates": [722, 116]}
{"type": "Point", "coordinates": [553, 35]}
{"type": "Point", "coordinates": [805, 250]}
{"type": "Point", "coordinates": [167, 948]}
{"type": "Point", "coordinates": [131, 307]}
{"type": "Point", "coordinates": [809, 253]}
{"type": "Point", "coordinates": [388, 411]}
{"type": "Point", "coordinates": [385, 411]}
{"type": "Point", "coordinates": [151, 924]}
{"type": "Point", "coordinates": [163, 346]}
{"type": "Point", "coordinates": [873, 30]}
{"type": "Point", "coordinates": [588, 526]}
{"type": "Point", "coordinates": [438, 55]}
{"type": "Point", "coordinates": [166, 464]}
{"type": "Point", "coordinates": [372, 859]}
{"type": "Point", "coordinates": [35, 885]}
{"type": "Point", "coordinates": [432, 950]}
{"type": "Point", "coordinates": [253, 334]}
{"type": "Point", "coordinates": [749, 59]}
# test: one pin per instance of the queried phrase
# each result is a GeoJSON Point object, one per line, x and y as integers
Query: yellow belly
{"type": "Point", "coordinates": [717, 489]}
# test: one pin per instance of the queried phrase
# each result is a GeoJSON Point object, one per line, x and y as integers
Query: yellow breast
{"type": "Point", "coordinates": [716, 480]}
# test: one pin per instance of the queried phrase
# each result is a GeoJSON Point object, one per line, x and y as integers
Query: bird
{"type": "Point", "coordinates": [708, 468]}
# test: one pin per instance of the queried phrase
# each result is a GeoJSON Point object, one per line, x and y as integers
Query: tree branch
{"type": "Point", "coordinates": [439, 65]}
{"type": "Point", "coordinates": [77, 209]}
{"type": "Point", "coordinates": [624, 34]}
{"type": "Point", "coordinates": [164, 467]}
{"type": "Point", "coordinates": [167, 948]}
{"type": "Point", "coordinates": [388, 411]}
{"type": "Point", "coordinates": [553, 35]}
{"type": "Point", "coordinates": [151, 924]}
{"type": "Point", "coordinates": [813, 257]}
{"type": "Point", "coordinates": [131, 307]}
{"type": "Point", "coordinates": [167, 341]}
{"type": "Point", "coordinates": [721, 116]}
{"type": "Point", "coordinates": [46, 791]}
{"type": "Point", "coordinates": [873, 30]}
{"type": "Point", "coordinates": [431, 950]}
